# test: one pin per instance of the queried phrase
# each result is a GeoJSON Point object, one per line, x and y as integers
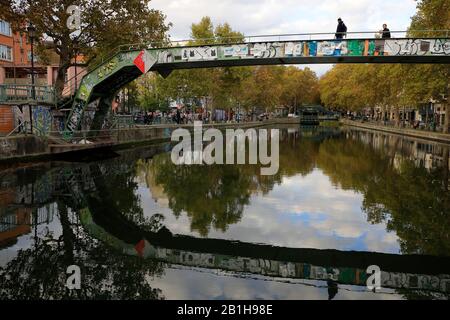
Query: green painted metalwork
{"type": "Point", "coordinates": [125, 66]}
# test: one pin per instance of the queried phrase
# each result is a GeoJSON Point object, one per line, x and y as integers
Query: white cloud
{"type": "Point", "coordinates": [287, 16]}
{"type": "Point", "coordinates": [302, 212]}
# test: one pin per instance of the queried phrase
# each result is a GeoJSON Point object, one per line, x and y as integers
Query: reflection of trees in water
{"type": "Point", "coordinates": [216, 195]}
{"type": "Point", "coordinates": [40, 271]}
{"type": "Point", "coordinates": [413, 201]}
{"type": "Point", "coordinates": [210, 195]}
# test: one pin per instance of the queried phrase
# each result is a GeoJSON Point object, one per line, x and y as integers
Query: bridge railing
{"type": "Point", "coordinates": [71, 85]}
{"type": "Point", "coordinates": [281, 37]}
{"type": "Point", "coordinates": [17, 93]}
{"type": "Point", "coordinates": [259, 38]}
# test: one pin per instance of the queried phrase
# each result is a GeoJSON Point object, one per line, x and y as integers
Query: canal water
{"type": "Point", "coordinates": [140, 227]}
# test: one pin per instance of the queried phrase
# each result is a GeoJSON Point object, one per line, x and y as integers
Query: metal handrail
{"type": "Point", "coordinates": [16, 128]}
{"type": "Point", "coordinates": [133, 45]}
{"type": "Point", "coordinates": [22, 91]}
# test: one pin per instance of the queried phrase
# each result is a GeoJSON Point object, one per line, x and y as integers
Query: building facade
{"type": "Point", "coordinates": [15, 69]}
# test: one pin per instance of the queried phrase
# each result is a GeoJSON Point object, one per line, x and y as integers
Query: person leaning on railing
{"type": "Point", "coordinates": [386, 33]}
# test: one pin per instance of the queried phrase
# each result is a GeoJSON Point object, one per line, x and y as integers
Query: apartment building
{"type": "Point", "coordinates": [15, 68]}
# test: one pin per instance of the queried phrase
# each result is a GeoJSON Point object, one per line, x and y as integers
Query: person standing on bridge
{"type": "Point", "coordinates": [341, 30]}
{"type": "Point", "coordinates": [386, 33]}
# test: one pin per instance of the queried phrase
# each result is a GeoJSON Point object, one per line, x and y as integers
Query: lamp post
{"type": "Point", "coordinates": [75, 49]}
{"type": "Point", "coordinates": [32, 34]}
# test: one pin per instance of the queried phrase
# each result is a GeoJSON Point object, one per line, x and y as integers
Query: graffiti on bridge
{"type": "Point", "coordinates": [417, 47]}
{"type": "Point", "coordinates": [358, 47]}
{"type": "Point", "coordinates": [75, 117]}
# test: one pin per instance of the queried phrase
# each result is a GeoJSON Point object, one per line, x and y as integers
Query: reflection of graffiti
{"type": "Point", "coordinates": [42, 120]}
{"type": "Point", "coordinates": [274, 268]}
{"type": "Point", "coordinates": [265, 267]}
{"type": "Point", "coordinates": [24, 194]}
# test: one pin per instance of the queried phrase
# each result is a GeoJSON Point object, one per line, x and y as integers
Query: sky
{"type": "Point", "coordinates": [262, 17]}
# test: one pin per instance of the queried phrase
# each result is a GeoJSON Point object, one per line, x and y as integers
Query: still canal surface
{"type": "Point", "coordinates": [140, 227]}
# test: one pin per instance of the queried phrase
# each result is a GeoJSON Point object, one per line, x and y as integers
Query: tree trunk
{"type": "Point", "coordinates": [68, 236]}
{"type": "Point", "coordinates": [64, 63]}
{"type": "Point", "coordinates": [397, 117]}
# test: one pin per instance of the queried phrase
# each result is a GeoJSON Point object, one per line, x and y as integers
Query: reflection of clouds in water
{"type": "Point", "coordinates": [25, 241]}
{"type": "Point", "coordinates": [180, 284]}
{"type": "Point", "coordinates": [302, 212]}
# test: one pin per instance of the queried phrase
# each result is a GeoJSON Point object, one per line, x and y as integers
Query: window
{"type": "Point", "coordinates": [5, 28]}
{"type": "Point", "coordinates": [5, 53]}
{"type": "Point", "coordinates": [35, 58]}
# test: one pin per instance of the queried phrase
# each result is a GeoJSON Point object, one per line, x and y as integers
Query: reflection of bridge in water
{"type": "Point", "coordinates": [84, 189]}
{"type": "Point", "coordinates": [102, 219]}
{"type": "Point", "coordinates": [349, 268]}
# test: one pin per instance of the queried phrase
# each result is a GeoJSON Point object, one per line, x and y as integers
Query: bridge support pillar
{"type": "Point", "coordinates": [103, 109]}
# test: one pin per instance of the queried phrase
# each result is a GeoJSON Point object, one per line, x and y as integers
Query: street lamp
{"type": "Point", "coordinates": [75, 49]}
{"type": "Point", "coordinates": [32, 34]}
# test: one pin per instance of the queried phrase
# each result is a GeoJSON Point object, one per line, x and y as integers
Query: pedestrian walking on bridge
{"type": "Point", "coordinates": [341, 30]}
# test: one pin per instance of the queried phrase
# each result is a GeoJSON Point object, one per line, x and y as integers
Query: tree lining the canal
{"type": "Point", "coordinates": [39, 273]}
{"type": "Point", "coordinates": [411, 200]}
{"type": "Point", "coordinates": [104, 25]}
{"type": "Point", "coordinates": [265, 87]}
{"type": "Point", "coordinates": [394, 88]}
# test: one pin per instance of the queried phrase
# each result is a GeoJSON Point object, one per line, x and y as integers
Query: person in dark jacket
{"type": "Point", "coordinates": [341, 29]}
{"type": "Point", "coordinates": [386, 32]}
{"type": "Point", "coordinates": [178, 116]}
